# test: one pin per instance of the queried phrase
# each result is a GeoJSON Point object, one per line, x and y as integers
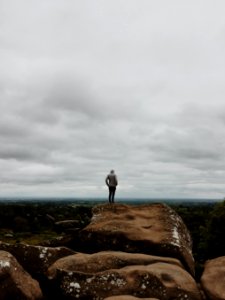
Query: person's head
{"type": "Point", "coordinates": [112, 172]}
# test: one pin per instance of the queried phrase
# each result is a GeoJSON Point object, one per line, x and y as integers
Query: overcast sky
{"type": "Point", "coordinates": [87, 86]}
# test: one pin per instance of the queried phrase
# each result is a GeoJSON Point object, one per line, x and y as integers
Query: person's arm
{"type": "Point", "coordinates": [116, 180]}
{"type": "Point", "coordinates": [106, 180]}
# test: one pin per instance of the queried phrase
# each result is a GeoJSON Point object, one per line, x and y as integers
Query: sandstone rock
{"type": "Point", "coordinates": [213, 278]}
{"type": "Point", "coordinates": [151, 229]}
{"type": "Point", "coordinates": [127, 298]}
{"type": "Point", "coordinates": [15, 283]}
{"type": "Point", "coordinates": [160, 280]}
{"type": "Point", "coordinates": [105, 260]}
{"type": "Point", "coordinates": [35, 259]}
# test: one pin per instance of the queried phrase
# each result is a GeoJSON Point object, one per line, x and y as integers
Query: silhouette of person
{"type": "Point", "coordinates": [111, 181]}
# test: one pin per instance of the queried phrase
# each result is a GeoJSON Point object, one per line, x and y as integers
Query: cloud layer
{"type": "Point", "coordinates": [87, 86]}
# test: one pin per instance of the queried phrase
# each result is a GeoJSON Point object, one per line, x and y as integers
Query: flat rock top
{"type": "Point", "coordinates": [141, 228]}
{"type": "Point", "coordinates": [133, 220]}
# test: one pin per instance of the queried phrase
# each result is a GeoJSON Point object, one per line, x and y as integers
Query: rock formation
{"type": "Point", "coordinates": [158, 280]}
{"type": "Point", "coordinates": [213, 278]}
{"type": "Point", "coordinates": [151, 229]}
{"type": "Point", "coordinates": [35, 259]}
{"type": "Point", "coordinates": [125, 253]}
{"type": "Point", "coordinates": [15, 282]}
{"type": "Point", "coordinates": [106, 260]}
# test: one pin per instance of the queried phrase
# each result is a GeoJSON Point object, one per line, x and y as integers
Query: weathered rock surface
{"type": "Point", "coordinates": [35, 259]}
{"type": "Point", "coordinates": [105, 260]}
{"type": "Point", "coordinates": [130, 252]}
{"type": "Point", "coordinates": [151, 229]}
{"type": "Point", "coordinates": [213, 278]}
{"type": "Point", "coordinates": [126, 297]}
{"type": "Point", "coordinates": [15, 283]}
{"type": "Point", "coordinates": [159, 280]}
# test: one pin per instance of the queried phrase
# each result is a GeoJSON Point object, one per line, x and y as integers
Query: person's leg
{"type": "Point", "coordinates": [113, 194]}
{"type": "Point", "coordinates": [110, 194]}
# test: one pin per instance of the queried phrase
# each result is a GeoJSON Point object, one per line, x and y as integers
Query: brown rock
{"type": "Point", "coordinates": [35, 259]}
{"type": "Point", "coordinates": [105, 260]}
{"type": "Point", "coordinates": [15, 283]}
{"type": "Point", "coordinates": [151, 229]}
{"type": "Point", "coordinates": [126, 297]}
{"type": "Point", "coordinates": [160, 280]}
{"type": "Point", "coordinates": [213, 278]}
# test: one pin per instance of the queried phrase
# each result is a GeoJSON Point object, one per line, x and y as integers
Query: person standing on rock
{"type": "Point", "coordinates": [111, 181]}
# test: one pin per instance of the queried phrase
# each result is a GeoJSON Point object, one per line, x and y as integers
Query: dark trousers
{"type": "Point", "coordinates": [112, 190]}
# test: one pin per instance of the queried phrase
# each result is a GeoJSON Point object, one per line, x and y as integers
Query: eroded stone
{"type": "Point", "coordinates": [151, 229]}
{"type": "Point", "coordinates": [213, 278]}
{"type": "Point", "coordinates": [15, 282]}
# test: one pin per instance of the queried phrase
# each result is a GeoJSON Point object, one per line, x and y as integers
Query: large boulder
{"type": "Point", "coordinates": [158, 280]}
{"type": "Point", "coordinates": [35, 259]}
{"type": "Point", "coordinates": [105, 260]}
{"type": "Point", "coordinates": [15, 282]}
{"type": "Point", "coordinates": [152, 229]}
{"type": "Point", "coordinates": [213, 278]}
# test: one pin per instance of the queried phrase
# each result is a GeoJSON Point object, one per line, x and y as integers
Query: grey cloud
{"type": "Point", "coordinates": [13, 128]}
{"type": "Point", "coordinates": [69, 95]}
{"type": "Point", "coordinates": [191, 140]}
{"type": "Point", "coordinates": [24, 152]}
{"type": "Point", "coordinates": [134, 86]}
